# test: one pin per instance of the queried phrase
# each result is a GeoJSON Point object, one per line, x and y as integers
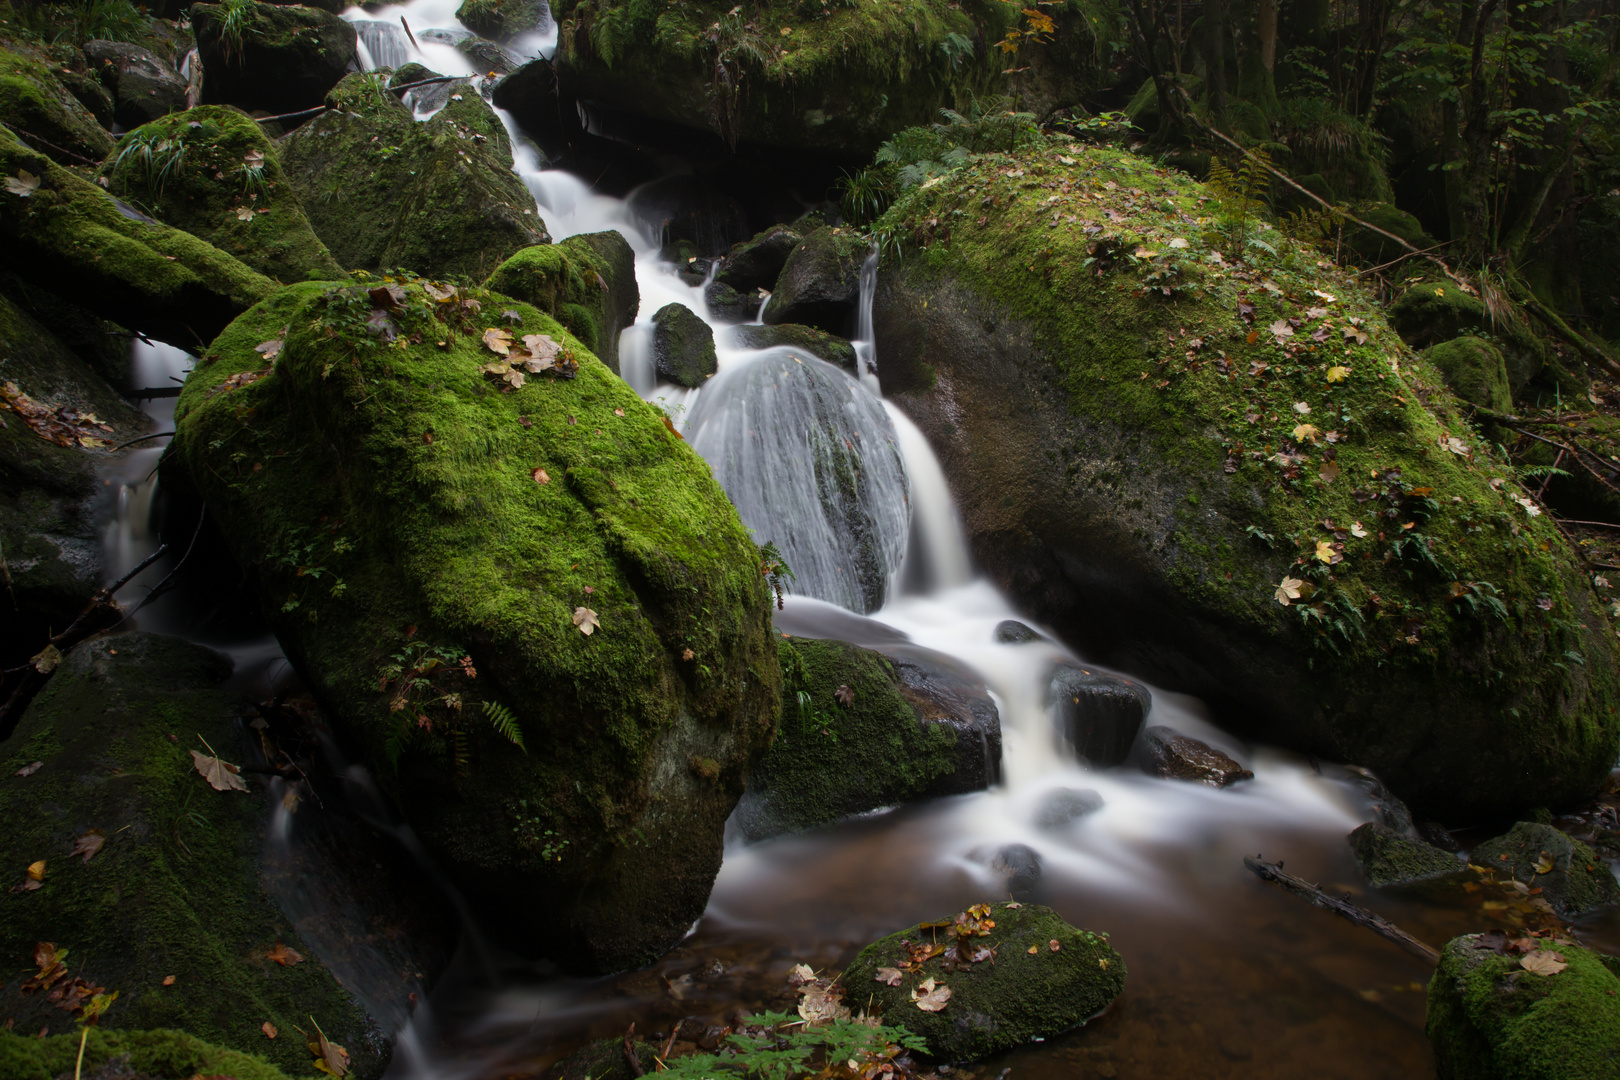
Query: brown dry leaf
{"type": "Point", "coordinates": [888, 976]}
{"type": "Point", "coordinates": [168, 980]}
{"type": "Point", "coordinates": [497, 341]}
{"type": "Point", "coordinates": [844, 696]}
{"type": "Point", "coordinates": [221, 775]}
{"type": "Point", "coordinates": [46, 659]}
{"type": "Point", "coordinates": [30, 770]}
{"type": "Point", "coordinates": [586, 620]}
{"type": "Point", "coordinates": [244, 213]}
{"type": "Point", "coordinates": [671, 425]}
{"type": "Point", "coordinates": [819, 1003]}
{"type": "Point", "coordinates": [253, 158]}
{"type": "Point", "coordinates": [269, 1030]}
{"type": "Point", "coordinates": [1543, 962]}
{"type": "Point", "coordinates": [90, 843]}
{"type": "Point", "coordinates": [1054, 945]}
{"type": "Point", "coordinates": [539, 476]}
{"type": "Point", "coordinates": [284, 956]}
{"type": "Point", "coordinates": [687, 654]}
{"type": "Point", "coordinates": [268, 349]}
{"type": "Point", "coordinates": [442, 293]}
{"type": "Point", "coordinates": [1329, 472]}
{"type": "Point", "coordinates": [1033, 949]}
{"type": "Point", "coordinates": [330, 1058]}
{"type": "Point", "coordinates": [1307, 433]}
{"type": "Point", "coordinates": [618, 412]}
{"type": "Point", "coordinates": [541, 346]}
{"type": "Point", "coordinates": [931, 998]}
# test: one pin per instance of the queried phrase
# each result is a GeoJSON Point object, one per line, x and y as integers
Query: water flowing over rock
{"type": "Point", "coordinates": [809, 458]}
{"type": "Point", "coordinates": [381, 45]}
{"type": "Point", "coordinates": [284, 59]}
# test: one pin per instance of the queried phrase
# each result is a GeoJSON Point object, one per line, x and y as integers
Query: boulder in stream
{"type": "Point", "coordinates": [818, 343]}
{"type": "Point", "coordinates": [727, 303]}
{"type": "Point", "coordinates": [1391, 859]}
{"type": "Point", "coordinates": [538, 619]}
{"type": "Point", "coordinates": [586, 282]}
{"type": "Point", "coordinates": [131, 1055]}
{"type": "Point", "coordinates": [1572, 878]}
{"type": "Point", "coordinates": [1098, 714]}
{"type": "Point", "coordinates": [502, 20]}
{"type": "Point", "coordinates": [756, 263]}
{"type": "Point", "coordinates": [1066, 805]}
{"type": "Point", "coordinates": [271, 57]}
{"type": "Point", "coordinates": [682, 346]}
{"type": "Point", "coordinates": [1170, 755]}
{"type": "Point", "coordinates": [820, 285]}
{"type": "Point", "coordinates": [1135, 487]}
{"type": "Point", "coordinates": [1498, 1012]}
{"type": "Point", "coordinates": [142, 85]}
{"type": "Point", "coordinates": [383, 190]}
{"type": "Point", "coordinates": [1013, 632]}
{"type": "Point", "coordinates": [1045, 978]}
{"type": "Point", "coordinates": [860, 731]}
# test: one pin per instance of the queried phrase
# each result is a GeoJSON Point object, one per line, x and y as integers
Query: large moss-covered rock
{"type": "Point", "coordinates": [501, 20]}
{"type": "Point", "coordinates": [1476, 370]}
{"type": "Point", "coordinates": [271, 57]}
{"type": "Point", "coordinates": [450, 518]}
{"type": "Point", "coordinates": [212, 172]}
{"type": "Point", "coordinates": [682, 346]}
{"type": "Point", "coordinates": [142, 86]}
{"type": "Point", "coordinates": [819, 343]}
{"type": "Point", "coordinates": [1429, 312]}
{"type": "Point", "coordinates": [37, 104]}
{"type": "Point", "coordinates": [78, 241]}
{"type": "Point", "coordinates": [1389, 858]}
{"type": "Point", "coordinates": [1146, 449]}
{"type": "Point", "coordinates": [586, 282]}
{"type": "Point", "coordinates": [1018, 997]}
{"type": "Point", "coordinates": [820, 284]}
{"type": "Point", "coordinates": [757, 262]}
{"type": "Point", "coordinates": [151, 1055]}
{"type": "Point", "coordinates": [175, 889]}
{"type": "Point", "coordinates": [854, 736]}
{"type": "Point", "coordinates": [1490, 1019]}
{"type": "Point", "coordinates": [383, 190]}
{"type": "Point", "coordinates": [1573, 879]}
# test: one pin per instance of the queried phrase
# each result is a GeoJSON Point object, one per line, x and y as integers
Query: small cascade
{"type": "Point", "coordinates": [810, 459]}
{"type": "Point", "coordinates": [381, 44]}
{"type": "Point", "coordinates": [865, 349]}
{"type": "Point", "coordinates": [937, 553]}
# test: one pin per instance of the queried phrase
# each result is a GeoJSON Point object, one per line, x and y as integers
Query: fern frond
{"type": "Point", "coordinates": [501, 719]}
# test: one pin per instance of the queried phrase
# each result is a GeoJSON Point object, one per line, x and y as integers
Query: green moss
{"type": "Point", "coordinates": [1573, 879]}
{"type": "Point", "coordinates": [225, 186]}
{"type": "Point", "coordinates": [175, 890]}
{"type": "Point", "coordinates": [1489, 1019]}
{"type": "Point", "coordinates": [682, 346]}
{"type": "Point", "coordinates": [586, 282]}
{"type": "Point", "coordinates": [160, 1055]}
{"type": "Point", "coordinates": [403, 472]}
{"type": "Point", "coordinates": [1389, 858]}
{"type": "Point", "coordinates": [1114, 279]}
{"type": "Point", "coordinates": [34, 102]}
{"type": "Point", "coordinates": [1432, 311]}
{"type": "Point", "coordinates": [1018, 997]}
{"type": "Point", "coordinates": [829, 347]}
{"type": "Point", "coordinates": [382, 190]}
{"type": "Point", "coordinates": [1475, 369]}
{"type": "Point", "coordinates": [500, 19]}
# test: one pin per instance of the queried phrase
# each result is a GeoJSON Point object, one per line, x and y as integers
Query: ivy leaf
{"type": "Point", "coordinates": [586, 620]}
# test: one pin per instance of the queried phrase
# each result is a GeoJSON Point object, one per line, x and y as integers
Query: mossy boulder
{"type": "Point", "coordinates": [756, 263]}
{"type": "Point", "coordinates": [81, 243]}
{"type": "Point", "coordinates": [1030, 991]}
{"type": "Point", "coordinates": [1490, 1019]}
{"type": "Point", "coordinates": [682, 346]}
{"type": "Point", "coordinates": [818, 343]}
{"type": "Point", "coordinates": [1572, 878]}
{"type": "Point", "coordinates": [1430, 312]}
{"type": "Point", "coordinates": [146, 1055]}
{"type": "Point", "coordinates": [1146, 447]}
{"type": "Point", "coordinates": [857, 734]}
{"type": "Point", "coordinates": [450, 518]}
{"type": "Point", "coordinates": [225, 186]}
{"type": "Point", "coordinates": [383, 190]}
{"type": "Point", "coordinates": [840, 81]}
{"type": "Point", "coordinates": [280, 59]}
{"type": "Point", "coordinates": [1388, 858]}
{"type": "Point", "coordinates": [142, 86]}
{"type": "Point", "coordinates": [1476, 371]}
{"type": "Point", "coordinates": [820, 284]}
{"type": "Point", "coordinates": [586, 282]}
{"type": "Point", "coordinates": [34, 101]}
{"type": "Point", "coordinates": [176, 889]}
{"type": "Point", "coordinates": [728, 304]}
{"type": "Point", "coordinates": [502, 20]}
{"type": "Point", "coordinates": [1374, 248]}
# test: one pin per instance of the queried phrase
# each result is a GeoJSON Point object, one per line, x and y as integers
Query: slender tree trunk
{"type": "Point", "coordinates": [1268, 36]}
{"type": "Point", "coordinates": [1215, 58]}
{"type": "Point", "coordinates": [1374, 20]}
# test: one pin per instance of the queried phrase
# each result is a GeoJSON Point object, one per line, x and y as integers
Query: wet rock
{"type": "Point", "coordinates": [130, 1055]}
{"type": "Point", "coordinates": [586, 282]}
{"type": "Point", "coordinates": [1387, 808]}
{"type": "Point", "coordinates": [443, 200]}
{"type": "Point", "coordinates": [1065, 805]}
{"type": "Point", "coordinates": [757, 263]}
{"type": "Point", "coordinates": [79, 242]}
{"type": "Point", "coordinates": [34, 100]}
{"type": "Point", "coordinates": [1436, 834]}
{"type": "Point", "coordinates": [502, 20]}
{"type": "Point", "coordinates": [169, 893]}
{"type": "Point", "coordinates": [820, 285]}
{"type": "Point", "coordinates": [635, 737]}
{"type": "Point", "coordinates": [142, 85]}
{"type": "Point", "coordinates": [285, 58]}
{"type": "Point", "coordinates": [1571, 877]}
{"type": "Point", "coordinates": [691, 269]}
{"type": "Point", "coordinates": [530, 95]}
{"type": "Point", "coordinates": [257, 218]}
{"type": "Point", "coordinates": [1020, 867]}
{"type": "Point", "coordinates": [682, 346]}
{"type": "Point", "coordinates": [1013, 632]}
{"type": "Point", "coordinates": [90, 93]}
{"type": "Point", "coordinates": [1391, 859]}
{"type": "Point", "coordinates": [1170, 755]}
{"type": "Point", "coordinates": [1099, 714]}
{"type": "Point", "coordinates": [828, 347]}
{"type": "Point", "coordinates": [859, 732]}
{"type": "Point", "coordinates": [1490, 1019]}
{"type": "Point", "coordinates": [803, 617]}
{"type": "Point", "coordinates": [488, 57]}
{"type": "Point", "coordinates": [728, 304]}
{"type": "Point", "coordinates": [604, 1060]}
{"type": "Point", "coordinates": [687, 209]}
{"type": "Point", "coordinates": [1020, 997]}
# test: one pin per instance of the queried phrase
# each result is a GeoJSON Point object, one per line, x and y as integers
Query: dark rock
{"type": "Point", "coordinates": [757, 263]}
{"type": "Point", "coordinates": [828, 347]}
{"type": "Point", "coordinates": [129, 1055]}
{"type": "Point", "coordinates": [143, 87]}
{"type": "Point", "coordinates": [1020, 867]}
{"type": "Point", "coordinates": [502, 20]}
{"type": "Point", "coordinates": [691, 210]}
{"type": "Point", "coordinates": [1489, 1019]}
{"type": "Point", "coordinates": [530, 95]}
{"type": "Point", "coordinates": [1387, 808]}
{"type": "Point", "coordinates": [1059, 808]}
{"type": "Point", "coordinates": [866, 733]}
{"type": "Point", "coordinates": [1168, 754]}
{"type": "Point", "coordinates": [1437, 835]}
{"type": "Point", "coordinates": [1098, 714]}
{"type": "Point", "coordinates": [692, 269]}
{"type": "Point", "coordinates": [820, 285]}
{"type": "Point", "coordinates": [488, 57]}
{"type": "Point", "coordinates": [1013, 632]}
{"type": "Point", "coordinates": [586, 282]}
{"type": "Point", "coordinates": [285, 59]}
{"type": "Point", "coordinates": [1573, 879]}
{"type": "Point", "coordinates": [728, 304]}
{"type": "Point", "coordinates": [682, 346]}
{"type": "Point", "coordinates": [604, 1060]}
{"type": "Point", "coordinates": [1020, 997]}
{"type": "Point", "coordinates": [443, 201]}
{"type": "Point", "coordinates": [1389, 858]}
{"type": "Point", "coordinates": [90, 93]}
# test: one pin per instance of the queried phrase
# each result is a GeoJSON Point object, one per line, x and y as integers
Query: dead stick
{"type": "Point", "coordinates": [632, 1062]}
{"type": "Point", "coordinates": [1273, 872]}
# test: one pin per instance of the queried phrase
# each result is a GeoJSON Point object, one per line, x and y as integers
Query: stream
{"type": "Point", "coordinates": [1227, 976]}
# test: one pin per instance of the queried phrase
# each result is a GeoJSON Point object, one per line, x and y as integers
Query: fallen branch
{"type": "Point", "coordinates": [391, 89]}
{"type": "Point", "coordinates": [80, 158]}
{"type": "Point", "coordinates": [631, 1061]}
{"type": "Point", "coordinates": [143, 438]}
{"type": "Point", "coordinates": [1273, 872]}
{"type": "Point", "coordinates": [1592, 524]}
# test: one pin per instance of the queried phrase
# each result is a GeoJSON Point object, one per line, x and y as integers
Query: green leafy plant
{"type": "Point", "coordinates": [154, 155]}
{"type": "Point", "coordinates": [233, 27]}
{"type": "Point", "coordinates": [423, 683]}
{"type": "Point", "coordinates": [1240, 192]}
{"type": "Point", "coordinates": [776, 1046]}
{"type": "Point", "coordinates": [774, 568]}
{"type": "Point", "coordinates": [102, 20]}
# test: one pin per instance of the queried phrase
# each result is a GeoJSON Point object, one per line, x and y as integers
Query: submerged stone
{"type": "Point", "coordinates": [682, 346]}
{"type": "Point", "coordinates": [1390, 859]}
{"type": "Point", "coordinates": [1013, 632]}
{"type": "Point", "coordinates": [1019, 865]}
{"type": "Point", "coordinates": [1572, 878]}
{"type": "Point", "coordinates": [1098, 714]}
{"type": "Point", "coordinates": [1170, 755]}
{"type": "Point", "coordinates": [1046, 977]}
{"type": "Point", "coordinates": [1065, 805]}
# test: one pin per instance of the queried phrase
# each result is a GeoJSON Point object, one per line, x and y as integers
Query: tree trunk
{"type": "Point", "coordinates": [1215, 58]}
{"type": "Point", "coordinates": [1268, 36]}
{"type": "Point", "coordinates": [1374, 24]}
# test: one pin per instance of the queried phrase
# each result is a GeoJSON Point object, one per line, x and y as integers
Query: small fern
{"type": "Point", "coordinates": [502, 720]}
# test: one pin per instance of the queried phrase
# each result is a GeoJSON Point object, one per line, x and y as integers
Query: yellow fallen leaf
{"type": "Point", "coordinates": [1307, 433]}
{"type": "Point", "coordinates": [1544, 865]}
{"type": "Point", "coordinates": [1324, 552]}
{"type": "Point", "coordinates": [1289, 590]}
{"type": "Point", "coordinates": [36, 871]}
{"type": "Point", "coordinates": [1338, 373]}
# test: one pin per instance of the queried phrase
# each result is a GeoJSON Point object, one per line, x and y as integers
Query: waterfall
{"type": "Point", "coordinates": [381, 44]}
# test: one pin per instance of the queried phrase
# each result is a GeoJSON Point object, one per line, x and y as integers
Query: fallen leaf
{"type": "Point", "coordinates": [618, 412]}
{"type": "Point", "coordinates": [1329, 297]}
{"type": "Point", "coordinates": [931, 998]}
{"type": "Point", "coordinates": [1329, 472]}
{"type": "Point", "coordinates": [888, 976]}
{"type": "Point", "coordinates": [1033, 949]}
{"type": "Point", "coordinates": [540, 476]}
{"type": "Point", "coordinates": [687, 654]}
{"type": "Point", "coordinates": [1307, 433]}
{"type": "Point", "coordinates": [36, 870]}
{"type": "Point", "coordinates": [1280, 329]}
{"type": "Point", "coordinates": [269, 1030]}
{"type": "Point", "coordinates": [1302, 408]}
{"type": "Point", "coordinates": [90, 843]}
{"type": "Point", "coordinates": [221, 775]}
{"type": "Point", "coordinates": [168, 980]}
{"type": "Point", "coordinates": [253, 158]}
{"type": "Point", "coordinates": [330, 1058]}
{"type": "Point", "coordinates": [497, 341]}
{"type": "Point", "coordinates": [387, 297]}
{"type": "Point", "coordinates": [244, 213]}
{"type": "Point", "coordinates": [1544, 865]}
{"type": "Point", "coordinates": [443, 294]}
{"type": "Point", "coordinates": [30, 770]}
{"type": "Point", "coordinates": [268, 349]}
{"type": "Point", "coordinates": [1543, 962]}
{"type": "Point", "coordinates": [1456, 446]}
{"type": "Point", "coordinates": [1338, 373]}
{"type": "Point", "coordinates": [23, 184]}
{"type": "Point", "coordinates": [801, 973]}
{"type": "Point", "coordinates": [1315, 312]}
{"type": "Point", "coordinates": [46, 659]}
{"type": "Point", "coordinates": [1178, 243]}
{"type": "Point", "coordinates": [284, 956]}
{"type": "Point", "coordinates": [1289, 590]}
{"type": "Point", "coordinates": [844, 696]}
{"type": "Point", "coordinates": [585, 619]}
{"type": "Point", "coordinates": [1054, 945]}
{"type": "Point", "coordinates": [1358, 530]}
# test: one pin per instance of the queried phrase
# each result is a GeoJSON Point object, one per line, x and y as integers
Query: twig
{"type": "Point", "coordinates": [391, 89]}
{"type": "Point", "coordinates": [1403, 258]}
{"type": "Point", "coordinates": [1273, 872]}
{"type": "Point", "coordinates": [1595, 525]}
{"type": "Point", "coordinates": [143, 438]}
{"type": "Point", "coordinates": [408, 33]}
{"type": "Point", "coordinates": [80, 158]}
{"type": "Point", "coordinates": [632, 1062]}
{"type": "Point", "coordinates": [168, 581]}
